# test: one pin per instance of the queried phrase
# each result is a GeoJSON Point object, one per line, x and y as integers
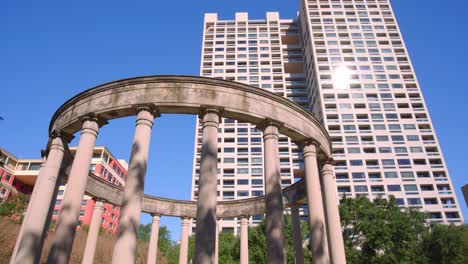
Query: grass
{"type": "Point", "coordinates": [465, 239]}
{"type": "Point", "coordinates": [9, 232]}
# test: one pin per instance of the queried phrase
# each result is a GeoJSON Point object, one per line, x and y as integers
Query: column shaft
{"type": "Point", "coordinates": [68, 217]}
{"type": "Point", "coordinates": [183, 250]}
{"type": "Point", "coordinates": [93, 233]}
{"type": "Point", "coordinates": [273, 198]}
{"type": "Point", "coordinates": [153, 244]}
{"type": "Point", "coordinates": [28, 246]}
{"type": "Point", "coordinates": [335, 234]}
{"type": "Point", "coordinates": [244, 240]}
{"type": "Point", "coordinates": [318, 234]}
{"type": "Point", "coordinates": [297, 236]}
{"type": "Point", "coordinates": [207, 193]}
{"type": "Point", "coordinates": [125, 245]}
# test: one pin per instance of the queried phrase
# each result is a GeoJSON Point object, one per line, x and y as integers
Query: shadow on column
{"type": "Point", "coordinates": [71, 230]}
{"type": "Point", "coordinates": [319, 228]}
{"type": "Point", "coordinates": [205, 242]}
{"type": "Point", "coordinates": [274, 204]}
{"type": "Point", "coordinates": [38, 239]}
{"type": "Point", "coordinates": [140, 169]}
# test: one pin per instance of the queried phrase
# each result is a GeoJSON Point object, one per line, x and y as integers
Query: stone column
{"type": "Point", "coordinates": [68, 217]}
{"type": "Point", "coordinates": [276, 252]}
{"type": "Point", "coordinates": [335, 234]}
{"type": "Point", "coordinates": [207, 193]}
{"type": "Point", "coordinates": [318, 234]}
{"type": "Point", "coordinates": [153, 244]}
{"type": "Point", "coordinates": [93, 233]}
{"type": "Point", "coordinates": [183, 250]}
{"type": "Point", "coordinates": [125, 245]}
{"type": "Point", "coordinates": [28, 246]}
{"type": "Point", "coordinates": [297, 236]}
{"type": "Point", "coordinates": [244, 240]}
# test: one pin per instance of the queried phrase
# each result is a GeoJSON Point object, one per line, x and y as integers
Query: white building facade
{"type": "Point", "coordinates": [346, 62]}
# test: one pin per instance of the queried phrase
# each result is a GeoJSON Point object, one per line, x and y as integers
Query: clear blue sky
{"type": "Point", "coordinates": [50, 51]}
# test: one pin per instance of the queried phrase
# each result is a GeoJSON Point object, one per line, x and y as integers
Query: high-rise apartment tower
{"type": "Point", "coordinates": [345, 61]}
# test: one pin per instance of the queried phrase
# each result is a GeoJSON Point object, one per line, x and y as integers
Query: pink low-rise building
{"type": "Point", "coordinates": [18, 177]}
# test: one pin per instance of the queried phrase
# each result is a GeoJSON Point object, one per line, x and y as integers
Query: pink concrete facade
{"type": "Point", "coordinates": [19, 175]}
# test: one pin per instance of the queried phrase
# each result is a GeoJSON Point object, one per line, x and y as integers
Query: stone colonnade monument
{"type": "Point", "coordinates": [211, 99]}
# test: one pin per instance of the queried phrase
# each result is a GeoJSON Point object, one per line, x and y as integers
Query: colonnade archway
{"type": "Point", "coordinates": [211, 99]}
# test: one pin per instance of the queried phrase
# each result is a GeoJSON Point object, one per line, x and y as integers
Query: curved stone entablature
{"type": "Point", "coordinates": [190, 95]}
{"type": "Point", "coordinates": [99, 188]}
{"type": "Point", "coordinates": [212, 99]}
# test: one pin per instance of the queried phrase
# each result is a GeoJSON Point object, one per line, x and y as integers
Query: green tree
{"type": "Point", "coordinates": [257, 242]}
{"type": "Point", "coordinates": [13, 207]}
{"type": "Point", "coordinates": [380, 232]}
{"type": "Point", "coordinates": [191, 247]}
{"type": "Point", "coordinates": [144, 232]}
{"type": "Point", "coordinates": [167, 247]}
{"type": "Point", "coordinates": [443, 244]}
{"type": "Point", "coordinates": [229, 248]}
{"type": "Point", "coordinates": [164, 241]}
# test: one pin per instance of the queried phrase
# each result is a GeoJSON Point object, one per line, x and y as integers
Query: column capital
{"type": "Point", "coordinates": [270, 129]}
{"type": "Point", "coordinates": [100, 121]}
{"type": "Point", "coordinates": [57, 140]}
{"type": "Point", "coordinates": [91, 124]}
{"type": "Point", "coordinates": [185, 220]}
{"type": "Point", "coordinates": [265, 123]}
{"type": "Point", "coordinates": [99, 199]}
{"type": "Point", "coordinates": [66, 137]}
{"type": "Point", "coordinates": [210, 115]}
{"type": "Point", "coordinates": [309, 147]}
{"type": "Point", "coordinates": [152, 109]}
{"type": "Point", "coordinates": [327, 168]}
{"type": "Point", "coordinates": [99, 205]}
{"type": "Point", "coordinates": [242, 217]}
{"type": "Point", "coordinates": [145, 115]}
{"type": "Point", "coordinates": [307, 142]}
{"type": "Point", "coordinates": [156, 217]}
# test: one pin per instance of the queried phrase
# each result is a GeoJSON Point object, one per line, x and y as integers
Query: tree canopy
{"type": "Point", "coordinates": [382, 232]}
{"type": "Point", "coordinates": [374, 232]}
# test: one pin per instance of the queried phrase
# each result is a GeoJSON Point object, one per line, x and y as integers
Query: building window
{"type": "Point", "coordinates": [242, 193]}
{"type": "Point", "coordinates": [257, 193]}
{"type": "Point", "coordinates": [400, 201]}
{"type": "Point", "coordinates": [360, 188]}
{"type": "Point", "coordinates": [404, 162]}
{"type": "Point", "coordinates": [407, 174]}
{"type": "Point", "coordinates": [358, 175]}
{"type": "Point", "coordinates": [242, 170]}
{"type": "Point", "coordinates": [451, 215]}
{"type": "Point", "coordinates": [388, 162]}
{"type": "Point", "coordinates": [257, 182]}
{"type": "Point", "coordinates": [410, 188]}
{"type": "Point", "coordinates": [414, 201]}
{"type": "Point", "coordinates": [355, 162]}
{"type": "Point", "coordinates": [243, 182]}
{"type": "Point", "coordinates": [394, 188]}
